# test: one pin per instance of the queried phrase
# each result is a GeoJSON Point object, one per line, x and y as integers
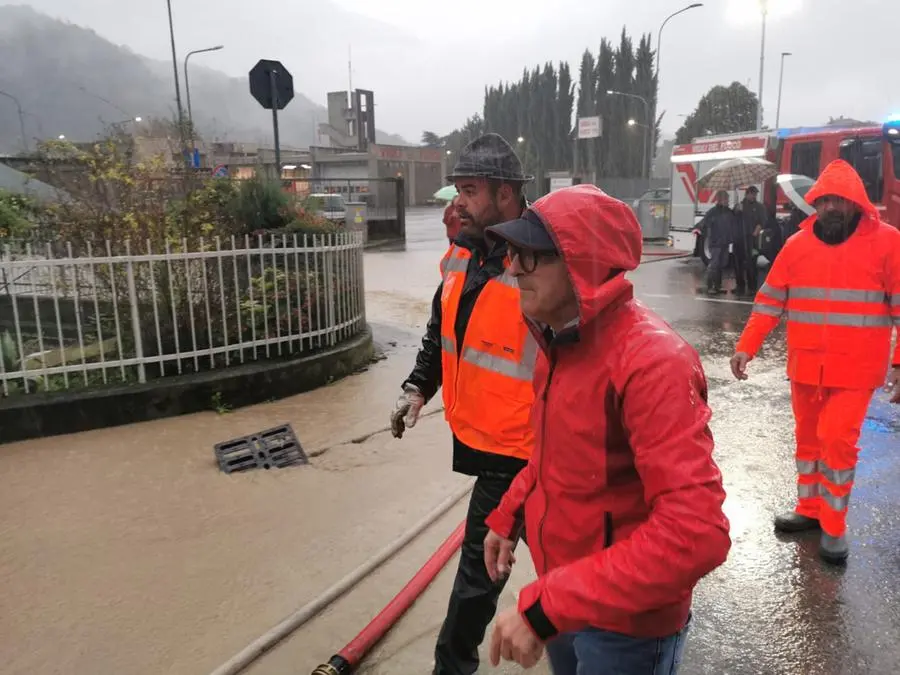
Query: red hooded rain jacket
{"type": "Point", "coordinates": [621, 499]}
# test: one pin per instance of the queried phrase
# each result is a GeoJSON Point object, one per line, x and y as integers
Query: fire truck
{"type": "Point", "coordinates": [874, 151]}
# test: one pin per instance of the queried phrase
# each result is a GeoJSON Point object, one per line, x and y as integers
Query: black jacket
{"type": "Point", "coordinates": [426, 374]}
{"type": "Point", "coordinates": [719, 226]}
{"type": "Point", "coordinates": [750, 215]}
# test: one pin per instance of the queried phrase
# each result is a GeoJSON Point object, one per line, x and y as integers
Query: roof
{"type": "Point", "coordinates": [12, 180]}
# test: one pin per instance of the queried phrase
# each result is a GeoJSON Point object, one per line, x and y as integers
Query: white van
{"type": "Point", "coordinates": [330, 206]}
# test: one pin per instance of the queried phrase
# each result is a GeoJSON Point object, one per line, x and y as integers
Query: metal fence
{"type": "Point", "coordinates": [73, 319]}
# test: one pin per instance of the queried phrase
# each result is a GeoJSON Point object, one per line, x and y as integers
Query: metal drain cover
{"type": "Point", "coordinates": [273, 448]}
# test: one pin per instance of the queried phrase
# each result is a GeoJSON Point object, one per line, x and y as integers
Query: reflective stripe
{"type": "Point", "coordinates": [805, 491]}
{"type": "Point", "coordinates": [455, 264]}
{"type": "Point", "coordinates": [769, 310]}
{"type": "Point", "coordinates": [496, 364]}
{"type": "Point", "coordinates": [837, 476]}
{"type": "Point", "coordinates": [807, 466]}
{"type": "Point", "coordinates": [774, 293]}
{"type": "Point", "coordinates": [523, 370]}
{"type": "Point", "coordinates": [836, 503]}
{"type": "Point", "coordinates": [839, 294]}
{"type": "Point", "coordinates": [835, 319]}
{"type": "Point", "coordinates": [507, 279]}
{"type": "Point", "coordinates": [447, 344]}
{"type": "Point", "coordinates": [894, 300]}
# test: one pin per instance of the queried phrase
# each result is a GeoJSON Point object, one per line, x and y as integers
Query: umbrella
{"type": "Point", "coordinates": [446, 193]}
{"type": "Point", "coordinates": [734, 173]}
{"type": "Point", "coordinates": [795, 188]}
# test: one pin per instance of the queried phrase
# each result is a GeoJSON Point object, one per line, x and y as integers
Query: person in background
{"type": "Point", "coordinates": [750, 219]}
{"type": "Point", "coordinates": [622, 500]}
{"type": "Point", "coordinates": [838, 283]}
{"type": "Point", "coordinates": [452, 221]}
{"type": "Point", "coordinates": [479, 350]}
{"type": "Point", "coordinates": [718, 228]}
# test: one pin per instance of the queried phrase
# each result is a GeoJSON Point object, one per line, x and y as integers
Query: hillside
{"type": "Point", "coordinates": [61, 72]}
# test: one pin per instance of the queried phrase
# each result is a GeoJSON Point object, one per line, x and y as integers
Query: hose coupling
{"type": "Point", "coordinates": [337, 665]}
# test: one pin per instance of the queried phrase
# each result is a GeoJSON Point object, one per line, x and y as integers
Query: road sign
{"type": "Point", "coordinates": [271, 84]}
{"type": "Point", "coordinates": [220, 171]}
{"type": "Point", "coordinates": [590, 127]}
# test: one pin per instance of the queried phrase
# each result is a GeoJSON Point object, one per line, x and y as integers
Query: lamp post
{"type": "Point", "coordinates": [645, 169]}
{"type": "Point", "coordinates": [762, 65]}
{"type": "Point", "coordinates": [187, 86]}
{"type": "Point", "coordinates": [21, 118]}
{"type": "Point", "coordinates": [780, 82]}
{"type": "Point", "coordinates": [694, 5]}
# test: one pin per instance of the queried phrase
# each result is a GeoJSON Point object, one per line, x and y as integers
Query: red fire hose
{"type": "Point", "coordinates": [346, 660]}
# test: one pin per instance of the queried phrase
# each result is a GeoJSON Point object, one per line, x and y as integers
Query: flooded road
{"type": "Point", "coordinates": [126, 551]}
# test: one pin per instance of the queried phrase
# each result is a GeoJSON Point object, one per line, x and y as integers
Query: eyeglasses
{"type": "Point", "coordinates": [528, 259]}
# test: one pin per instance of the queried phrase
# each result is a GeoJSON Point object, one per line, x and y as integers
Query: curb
{"type": "Point", "coordinates": [56, 413]}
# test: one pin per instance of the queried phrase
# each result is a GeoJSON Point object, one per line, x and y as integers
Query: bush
{"type": "Point", "coordinates": [261, 205]}
{"type": "Point", "coordinates": [18, 215]}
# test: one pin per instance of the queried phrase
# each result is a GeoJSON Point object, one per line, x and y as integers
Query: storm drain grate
{"type": "Point", "coordinates": [273, 448]}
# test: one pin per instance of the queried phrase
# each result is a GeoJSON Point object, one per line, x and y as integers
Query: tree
{"type": "Point", "coordinates": [722, 110]}
{"type": "Point", "coordinates": [431, 140]}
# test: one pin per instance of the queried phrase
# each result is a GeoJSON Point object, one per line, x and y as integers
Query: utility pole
{"type": "Point", "coordinates": [780, 83]}
{"type": "Point", "coordinates": [188, 160]}
{"type": "Point", "coordinates": [762, 66]}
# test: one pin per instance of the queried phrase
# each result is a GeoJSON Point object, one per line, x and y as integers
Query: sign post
{"type": "Point", "coordinates": [588, 127]}
{"type": "Point", "coordinates": [273, 86]}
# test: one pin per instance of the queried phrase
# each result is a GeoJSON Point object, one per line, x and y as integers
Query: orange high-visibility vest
{"type": "Point", "coordinates": [487, 381]}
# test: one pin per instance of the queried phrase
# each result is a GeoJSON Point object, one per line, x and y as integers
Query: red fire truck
{"type": "Point", "coordinates": [873, 151]}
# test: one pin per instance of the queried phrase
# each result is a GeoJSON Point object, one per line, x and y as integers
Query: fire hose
{"type": "Point", "coordinates": [346, 660]}
{"type": "Point", "coordinates": [268, 640]}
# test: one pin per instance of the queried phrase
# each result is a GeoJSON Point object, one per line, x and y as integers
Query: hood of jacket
{"type": "Point", "coordinates": [595, 234]}
{"type": "Point", "coordinates": [840, 179]}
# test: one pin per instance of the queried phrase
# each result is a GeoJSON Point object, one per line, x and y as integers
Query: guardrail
{"type": "Point", "coordinates": [100, 315]}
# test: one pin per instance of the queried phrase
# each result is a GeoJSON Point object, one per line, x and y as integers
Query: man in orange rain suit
{"type": "Point", "coordinates": [838, 282]}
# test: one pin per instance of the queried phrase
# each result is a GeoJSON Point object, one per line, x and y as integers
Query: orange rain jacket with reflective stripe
{"type": "Point", "coordinates": [840, 301]}
{"type": "Point", "coordinates": [487, 380]}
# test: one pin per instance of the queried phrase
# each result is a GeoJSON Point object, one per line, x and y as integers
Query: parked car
{"type": "Point", "coordinates": [330, 206]}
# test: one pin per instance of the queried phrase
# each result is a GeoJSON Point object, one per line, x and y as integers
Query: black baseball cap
{"type": "Point", "coordinates": [525, 232]}
{"type": "Point", "coordinates": [753, 189]}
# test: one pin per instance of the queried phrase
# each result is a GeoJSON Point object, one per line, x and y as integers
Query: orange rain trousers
{"type": "Point", "coordinates": [829, 421]}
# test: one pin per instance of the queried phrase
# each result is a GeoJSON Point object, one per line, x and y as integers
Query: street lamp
{"type": "Point", "coordinates": [62, 137]}
{"type": "Point", "coordinates": [187, 86]}
{"type": "Point", "coordinates": [645, 169]}
{"type": "Point", "coordinates": [21, 118]}
{"type": "Point", "coordinates": [764, 4]}
{"type": "Point", "coordinates": [659, 34]}
{"type": "Point", "coordinates": [521, 139]}
{"type": "Point", "coordinates": [780, 82]}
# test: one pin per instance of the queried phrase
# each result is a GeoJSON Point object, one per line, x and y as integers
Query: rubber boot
{"type": "Point", "coordinates": [794, 522]}
{"type": "Point", "coordinates": [833, 550]}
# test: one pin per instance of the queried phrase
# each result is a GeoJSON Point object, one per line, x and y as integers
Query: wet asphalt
{"type": "Point", "coordinates": [774, 607]}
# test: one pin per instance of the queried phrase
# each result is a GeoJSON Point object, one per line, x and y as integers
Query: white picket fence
{"type": "Point", "coordinates": [102, 315]}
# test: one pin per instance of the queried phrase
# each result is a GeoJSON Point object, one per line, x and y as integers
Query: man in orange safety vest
{"type": "Point", "coordinates": [837, 281]}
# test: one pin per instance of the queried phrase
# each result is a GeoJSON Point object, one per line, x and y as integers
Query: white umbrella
{"type": "Point", "coordinates": [739, 172]}
{"type": "Point", "coordinates": [795, 188]}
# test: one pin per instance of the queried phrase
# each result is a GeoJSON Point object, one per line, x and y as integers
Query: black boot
{"type": "Point", "coordinates": [833, 550]}
{"type": "Point", "coordinates": [794, 522]}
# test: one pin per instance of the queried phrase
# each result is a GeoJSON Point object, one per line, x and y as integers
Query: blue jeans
{"type": "Point", "coordinates": [599, 652]}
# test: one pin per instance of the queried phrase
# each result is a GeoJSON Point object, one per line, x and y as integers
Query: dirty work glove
{"type": "Point", "coordinates": [406, 410]}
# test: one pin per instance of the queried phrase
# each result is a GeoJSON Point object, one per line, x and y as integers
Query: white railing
{"type": "Point", "coordinates": [102, 316]}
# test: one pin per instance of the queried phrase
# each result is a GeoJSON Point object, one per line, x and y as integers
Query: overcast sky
{"type": "Point", "coordinates": [428, 61]}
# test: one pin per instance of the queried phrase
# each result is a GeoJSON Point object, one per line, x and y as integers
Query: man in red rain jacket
{"type": "Point", "coordinates": [838, 282]}
{"type": "Point", "coordinates": [622, 500]}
